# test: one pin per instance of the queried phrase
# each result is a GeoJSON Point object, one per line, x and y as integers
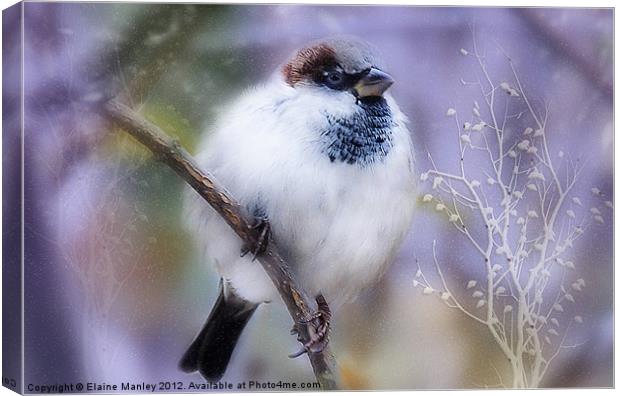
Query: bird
{"type": "Point", "coordinates": [322, 151]}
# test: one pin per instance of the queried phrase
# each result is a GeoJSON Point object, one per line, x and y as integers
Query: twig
{"type": "Point", "coordinates": [172, 154]}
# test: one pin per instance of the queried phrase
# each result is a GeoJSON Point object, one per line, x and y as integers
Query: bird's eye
{"type": "Point", "coordinates": [333, 79]}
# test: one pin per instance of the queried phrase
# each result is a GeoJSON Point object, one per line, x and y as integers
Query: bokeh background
{"type": "Point", "coordinates": [114, 290]}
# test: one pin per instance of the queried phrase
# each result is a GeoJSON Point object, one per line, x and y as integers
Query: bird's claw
{"type": "Point", "coordinates": [264, 232]}
{"type": "Point", "coordinates": [318, 325]}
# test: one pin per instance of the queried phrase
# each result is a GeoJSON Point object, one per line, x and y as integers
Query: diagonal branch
{"type": "Point", "coordinates": [172, 154]}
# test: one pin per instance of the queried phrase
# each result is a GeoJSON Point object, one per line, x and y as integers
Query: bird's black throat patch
{"type": "Point", "coordinates": [361, 138]}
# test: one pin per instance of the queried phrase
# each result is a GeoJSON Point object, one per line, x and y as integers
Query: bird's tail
{"type": "Point", "coordinates": [210, 352]}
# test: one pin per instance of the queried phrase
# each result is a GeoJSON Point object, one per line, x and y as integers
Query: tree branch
{"type": "Point", "coordinates": [170, 152]}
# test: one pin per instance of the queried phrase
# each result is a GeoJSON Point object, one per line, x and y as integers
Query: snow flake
{"type": "Point", "coordinates": [464, 52]}
{"type": "Point", "coordinates": [536, 174]}
{"type": "Point", "coordinates": [478, 127]}
{"type": "Point", "coordinates": [523, 145]}
{"type": "Point", "coordinates": [558, 307]}
{"type": "Point", "coordinates": [508, 308]}
{"type": "Point", "coordinates": [450, 112]}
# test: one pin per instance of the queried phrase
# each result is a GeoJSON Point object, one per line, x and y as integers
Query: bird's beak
{"type": "Point", "coordinates": [375, 83]}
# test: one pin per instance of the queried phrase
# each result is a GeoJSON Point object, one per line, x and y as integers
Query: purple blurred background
{"type": "Point", "coordinates": [113, 289]}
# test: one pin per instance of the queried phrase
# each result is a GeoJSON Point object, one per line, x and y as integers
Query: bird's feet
{"type": "Point", "coordinates": [260, 245]}
{"type": "Point", "coordinates": [318, 326]}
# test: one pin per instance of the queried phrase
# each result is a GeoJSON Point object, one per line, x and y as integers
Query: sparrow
{"type": "Point", "coordinates": [323, 152]}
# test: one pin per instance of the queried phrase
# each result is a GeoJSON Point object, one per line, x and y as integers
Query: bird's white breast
{"type": "Point", "coordinates": [338, 224]}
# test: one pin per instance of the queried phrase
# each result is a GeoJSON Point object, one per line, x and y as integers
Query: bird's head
{"type": "Point", "coordinates": [343, 64]}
